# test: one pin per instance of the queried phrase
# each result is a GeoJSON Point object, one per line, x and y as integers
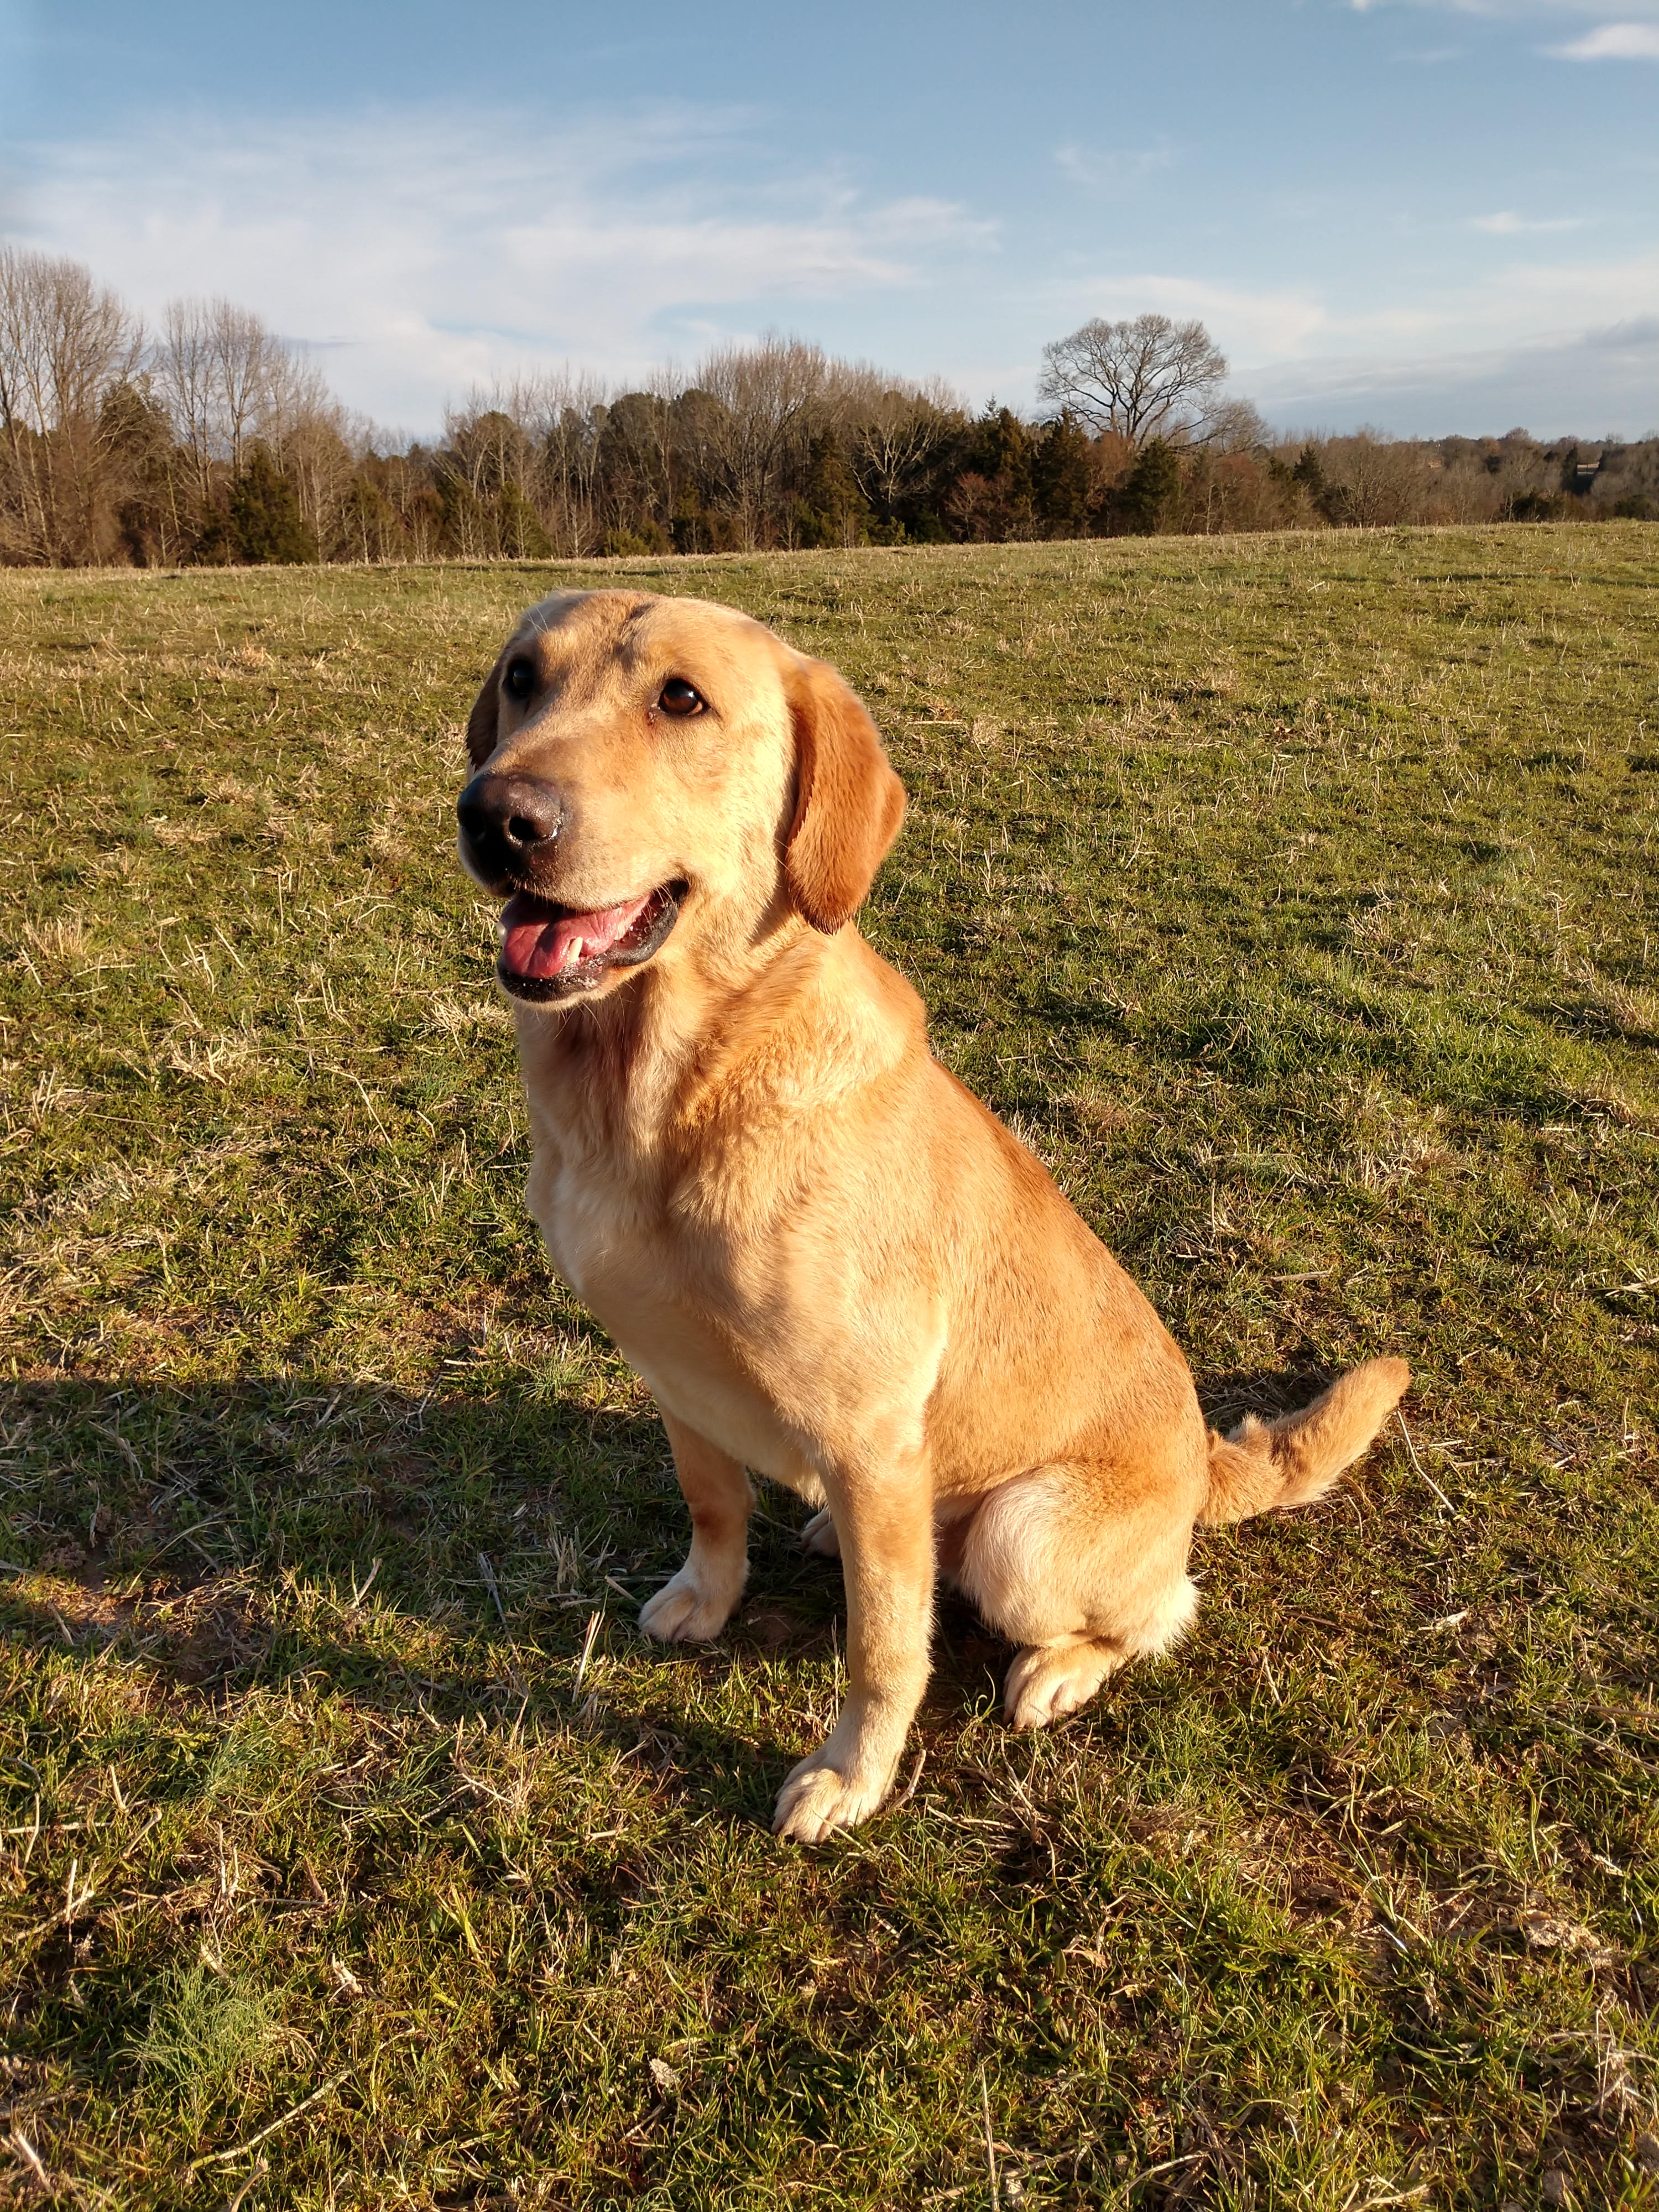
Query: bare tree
{"type": "Point", "coordinates": [559, 413]}
{"type": "Point", "coordinates": [1236, 426]}
{"type": "Point", "coordinates": [308, 434]}
{"type": "Point", "coordinates": [895, 437]}
{"type": "Point", "coordinates": [247, 365]}
{"type": "Point", "coordinates": [228, 382]}
{"type": "Point", "coordinates": [183, 369]}
{"type": "Point", "coordinates": [1147, 377]}
{"type": "Point", "coordinates": [315, 456]}
{"type": "Point", "coordinates": [1372, 482]}
{"type": "Point", "coordinates": [769, 394]}
{"type": "Point", "coordinates": [225, 379]}
{"type": "Point", "coordinates": [292, 400]}
{"type": "Point", "coordinates": [66, 345]}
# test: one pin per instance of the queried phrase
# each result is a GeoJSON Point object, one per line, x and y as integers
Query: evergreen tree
{"type": "Point", "coordinates": [1000, 450]}
{"type": "Point", "coordinates": [266, 522]}
{"type": "Point", "coordinates": [1062, 478]}
{"type": "Point", "coordinates": [519, 533]}
{"type": "Point", "coordinates": [154, 515]}
{"type": "Point", "coordinates": [831, 509]}
{"type": "Point", "coordinates": [1147, 501]}
{"type": "Point", "coordinates": [1308, 472]}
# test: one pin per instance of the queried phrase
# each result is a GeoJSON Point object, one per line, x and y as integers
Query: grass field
{"type": "Point", "coordinates": [1298, 900]}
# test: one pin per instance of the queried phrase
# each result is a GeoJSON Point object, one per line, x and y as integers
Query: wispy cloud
{"type": "Point", "coordinates": [1113, 170]}
{"type": "Point", "coordinates": [1562, 344]}
{"type": "Point", "coordinates": [1612, 42]}
{"type": "Point", "coordinates": [1515, 305]}
{"type": "Point", "coordinates": [1568, 347]}
{"type": "Point", "coordinates": [1507, 224]}
{"type": "Point", "coordinates": [429, 249]}
{"type": "Point", "coordinates": [1257, 324]}
{"type": "Point", "coordinates": [1601, 381]}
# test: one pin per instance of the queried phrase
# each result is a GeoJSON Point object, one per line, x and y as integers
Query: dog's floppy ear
{"type": "Point", "coordinates": [848, 803]}
{"type": "Point", "coordinates": [481, 722]}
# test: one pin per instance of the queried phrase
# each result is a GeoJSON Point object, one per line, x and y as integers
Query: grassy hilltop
{"type": "Point", "coordinates": [1298, 900]}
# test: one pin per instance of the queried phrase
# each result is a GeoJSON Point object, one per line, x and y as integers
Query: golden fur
{"type": "Point", "coordinates": [830, 1262]}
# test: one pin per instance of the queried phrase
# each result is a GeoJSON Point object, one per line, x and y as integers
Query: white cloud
{"type": "Point", "coordinates": [1525, 298]}
{"type": "Point", "coordinates": [1563, 345]}
{"type": "Point", "coordinates": [1272, 329]}
{"type": "Point", "coordinates": [1265, 324]}
{"type": "Point", "coordinates": [1513, 303]}
{"type": "Point", "coordinates": [1507, 224]}
{"type": "Point", "coordinates": [1601, 382]}
{"type": "Point", "coordinates": [1612, 42]}
{"type": "Point", "coordinates": [425, 250]}
{"type": "Point", "coordinates": [1118, 170]}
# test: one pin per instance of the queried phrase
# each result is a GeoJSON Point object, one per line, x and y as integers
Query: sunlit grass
{"type": "Point", "coordinates": [1296, 899]}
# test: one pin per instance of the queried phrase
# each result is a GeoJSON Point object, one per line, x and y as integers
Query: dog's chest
{"type": "Point", "coordinates": [672, 1295]}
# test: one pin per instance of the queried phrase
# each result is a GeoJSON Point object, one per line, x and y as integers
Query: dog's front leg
{"type": "Point", "coordinates": [886, 1530]}
{"type": "Point", "coordinates": [701, 1598]}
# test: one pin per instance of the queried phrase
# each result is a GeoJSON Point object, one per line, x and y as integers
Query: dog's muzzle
{"type": "Point", "coordinates": [507, 824]}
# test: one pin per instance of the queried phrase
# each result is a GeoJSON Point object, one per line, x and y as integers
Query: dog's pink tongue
{"type": "Point", "coordinates": [535, 941]}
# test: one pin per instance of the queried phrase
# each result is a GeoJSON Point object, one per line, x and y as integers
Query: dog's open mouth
{"type": "Point", "coordinates": [551, 951]}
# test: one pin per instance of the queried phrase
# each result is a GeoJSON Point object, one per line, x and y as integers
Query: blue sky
{"type": "Point", "coordinates": [1430, 215]}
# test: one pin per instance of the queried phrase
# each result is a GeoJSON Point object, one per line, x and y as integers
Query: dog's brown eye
{"type": "Point", "coordinates": [681, 698]}
{"type": "Point", "coordinates": [519, 679]}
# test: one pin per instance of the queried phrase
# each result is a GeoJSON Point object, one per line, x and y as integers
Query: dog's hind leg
{"type": "Point", "coordinates": [696, 1604]}
{"type": "Point", "coordinates": [1081, 1577]}
{"type": "Point", "coordinates": [1046, 1682]}
{"type": "Point", "coordinates": [821, 1536]}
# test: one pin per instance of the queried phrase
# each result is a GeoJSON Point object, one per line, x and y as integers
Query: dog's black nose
{"type": "Point", "coordinates": [506, 819]}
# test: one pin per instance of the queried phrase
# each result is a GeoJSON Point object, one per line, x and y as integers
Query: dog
{"type": "Point", "coordinates": [830, 1262]}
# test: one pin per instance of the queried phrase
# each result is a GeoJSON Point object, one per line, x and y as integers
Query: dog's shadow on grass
{"type": "Point", "coordinates": [473, 1522]}
{"type": "Point", "coordinates": [456, 1551]}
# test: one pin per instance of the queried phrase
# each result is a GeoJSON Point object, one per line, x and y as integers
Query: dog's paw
{"type": "Point", "coordinates": [684, 1612]}
{"type": "Point", "coordinates": [1048, 1682]}
{"type": "Point", "coordinates": [820, 1535]}
{"type": "Point", "coordinates": [816, 1800]}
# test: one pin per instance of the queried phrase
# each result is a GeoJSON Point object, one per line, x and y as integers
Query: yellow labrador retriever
{"type": "Point", "coordinates": [830, 1262]}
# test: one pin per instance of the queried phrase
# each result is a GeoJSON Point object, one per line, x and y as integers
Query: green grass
{"type": "Point", "coordinates": [1298, 899]}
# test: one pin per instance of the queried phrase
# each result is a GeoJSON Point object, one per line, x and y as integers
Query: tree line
{"type": "Point", "coordinates": [209, 439]}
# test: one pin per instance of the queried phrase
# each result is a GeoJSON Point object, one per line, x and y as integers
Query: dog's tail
{"type": "Point", "coordinates": [1265, 1465]}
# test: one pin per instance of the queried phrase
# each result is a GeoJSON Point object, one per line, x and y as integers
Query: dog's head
{"type": "Point", "coordinates": [654, 776]}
